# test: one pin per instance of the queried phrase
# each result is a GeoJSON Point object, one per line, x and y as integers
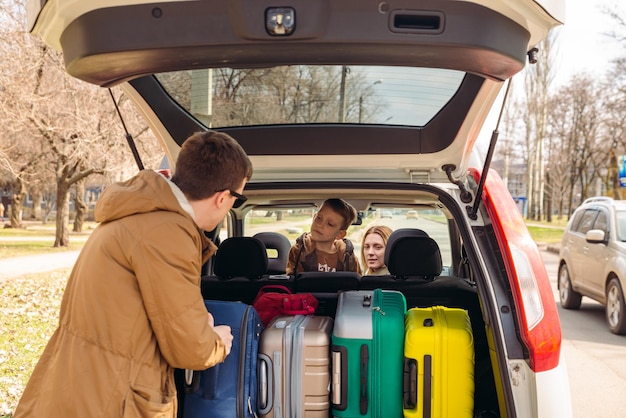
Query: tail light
{"type": "Point", "coordinates": [530, 285]}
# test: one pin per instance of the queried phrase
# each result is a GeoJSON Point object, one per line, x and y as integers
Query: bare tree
{"type": "Point", "coordinates": [58, 127]}
{"type": "Point", "coordinates": [288, 94]}
{"type": "Point", "coordinates": [537, 85]}
{"type": "Point", "coordinates": [575, 124]}
{"type": "Point", "coordinates": [614, 111]}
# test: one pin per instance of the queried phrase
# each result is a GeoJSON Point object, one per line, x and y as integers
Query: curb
{"type": "Point", "coordinates": [551, 248]}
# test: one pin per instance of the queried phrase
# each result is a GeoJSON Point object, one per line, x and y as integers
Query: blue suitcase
{"type": "Point", "coordinates": [229, 389]}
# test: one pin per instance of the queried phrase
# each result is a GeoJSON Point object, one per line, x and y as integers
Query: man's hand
{"type": "Point", "coordinates": [224, 332]}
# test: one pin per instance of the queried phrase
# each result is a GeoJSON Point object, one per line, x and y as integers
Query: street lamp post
{"type": "Point", "coordinates": [342, 93]}
{"type": "Point", "coordinates": [379, 81]}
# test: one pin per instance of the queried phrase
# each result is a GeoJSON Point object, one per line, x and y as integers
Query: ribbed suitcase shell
{"type": "Point", "coordinates": [368, 341]}
{"type": "Point", "coordinates": [439, 365]}
{"type": "Point", "coordinates": [294, 367]}
{"type": "Point", "coordinates": [228, 389]}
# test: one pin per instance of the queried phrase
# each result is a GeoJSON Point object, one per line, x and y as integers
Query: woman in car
{"type": "Point", "coordinates": [373, 250]}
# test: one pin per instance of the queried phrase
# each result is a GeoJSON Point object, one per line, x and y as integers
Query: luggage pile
{"type": "Point", "coordinates": [375, 358]}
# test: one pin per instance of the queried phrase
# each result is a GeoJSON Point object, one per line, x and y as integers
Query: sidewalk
{"type": "Point", "coordinates": [17, 266]}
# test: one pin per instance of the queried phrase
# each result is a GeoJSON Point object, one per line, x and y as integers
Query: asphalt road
{"type": "Point", "coordinates": [596, 359]}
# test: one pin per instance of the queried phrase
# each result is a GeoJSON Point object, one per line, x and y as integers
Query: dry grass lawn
{"type": "Point", "coordinates": [29, 312]}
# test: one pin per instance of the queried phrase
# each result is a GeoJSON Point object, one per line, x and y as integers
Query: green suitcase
{"type": "Point", "coordinates": [367, 354]}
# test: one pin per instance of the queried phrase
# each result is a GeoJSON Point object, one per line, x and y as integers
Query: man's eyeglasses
{"type": "Point", "coordinates": [241, 199]}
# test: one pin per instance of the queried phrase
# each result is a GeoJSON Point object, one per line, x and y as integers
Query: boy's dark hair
{"type": "Point", "coordinates": [343, 208]}
{"type": "Point", "coordinates": [210, 162]}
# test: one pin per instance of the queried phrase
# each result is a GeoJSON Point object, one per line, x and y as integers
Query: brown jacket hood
{"type": "Point", "coordinates": [131, 312]}
{"type": "Point", "coordinates": [147, 192]}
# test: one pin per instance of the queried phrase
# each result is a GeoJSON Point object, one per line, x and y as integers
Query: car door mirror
{"type": "Point", "coordinates": [595, 236]}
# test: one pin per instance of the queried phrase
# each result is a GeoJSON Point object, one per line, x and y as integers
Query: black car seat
{"type": "Point", "coordinates": [241, 267]}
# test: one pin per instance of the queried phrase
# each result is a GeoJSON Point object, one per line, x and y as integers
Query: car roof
{"type": "Point", "coordinates": [482, 43]}
{"type": "Point", "coordinates": [603, 201]}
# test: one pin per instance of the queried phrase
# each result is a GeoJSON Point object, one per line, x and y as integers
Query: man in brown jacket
{"type": "Point", "coordinates": [132, 310]}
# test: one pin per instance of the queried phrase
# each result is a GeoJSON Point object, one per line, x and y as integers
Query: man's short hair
{"type": "Point", "coordinates": [342, 208]}
{"type": "Point", "coordinates": [210, 162]}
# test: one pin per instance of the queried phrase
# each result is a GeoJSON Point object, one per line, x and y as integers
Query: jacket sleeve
{"type": "Point", "coordinates": [167, 265]}
{"type": "Point", "coordinates": [357, 265]}
{"type": "Point", "coordinates": [292, 261]}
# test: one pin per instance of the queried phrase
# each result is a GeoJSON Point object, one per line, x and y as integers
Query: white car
{"type": "Point", "coordinates": [593, 259]}
{"type": "Point", "coordinates": [377, 102]}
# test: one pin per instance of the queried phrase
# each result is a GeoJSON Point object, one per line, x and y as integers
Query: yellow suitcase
{"type": "Point", "coordinates": [438, 363]}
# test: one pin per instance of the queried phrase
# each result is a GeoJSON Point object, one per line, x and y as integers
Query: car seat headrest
{"type": "Point", "coordinates": [399, 233]}
{"type": "Point", "coordinates": [241, 257]}
{"type": "Point", "coordinates": [414, 256]}
{"type": "Point", "coordinates": [278, 243]}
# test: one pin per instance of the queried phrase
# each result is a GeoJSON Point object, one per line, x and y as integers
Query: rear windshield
{"type": "Point", "coordinates": [301, 94]}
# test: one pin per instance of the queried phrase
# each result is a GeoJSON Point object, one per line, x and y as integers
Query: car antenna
{"type": "Point", "coordinates": [473, 210]}
{"type": "Point", "coordinates": [129, 137]}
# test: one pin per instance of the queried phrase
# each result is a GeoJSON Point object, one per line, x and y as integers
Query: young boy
{"type": "Point", "coordinates": [325, 248]}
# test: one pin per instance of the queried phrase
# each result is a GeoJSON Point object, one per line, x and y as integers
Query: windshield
{"type": "Point", "coordinates": [299, 94]}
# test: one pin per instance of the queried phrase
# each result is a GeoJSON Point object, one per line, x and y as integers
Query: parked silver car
{"type": "Point", "coordinates": [593, 259]}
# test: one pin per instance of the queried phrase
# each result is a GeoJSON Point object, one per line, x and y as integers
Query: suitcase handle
{"type": "Point", "coordinates": [428, 370]}
{"type": "Point", "coordinates": [192, 381]}
{"type": "Point", "coordinates": [364, 360]}
{"type": "Point", "coordinates": [410, 383]}
{"type": "Point", "coordinates": [265, 375]}
{"type": "Point", "coordinates": [339, 383]}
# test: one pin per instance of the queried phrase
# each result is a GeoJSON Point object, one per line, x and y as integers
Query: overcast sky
{"type": "Point", "coordinates": [584, 44]}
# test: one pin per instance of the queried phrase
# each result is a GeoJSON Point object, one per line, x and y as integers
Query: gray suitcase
{"type": "Point", "coordinates": [294, 367]}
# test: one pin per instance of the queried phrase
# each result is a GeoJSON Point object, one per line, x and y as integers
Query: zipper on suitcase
{"type": "Point", "coordinates": [297, 360]}
{"type": "Point", "coordinates": [363, 371]}
{"type": "Point", "coordinates": [241, 392]}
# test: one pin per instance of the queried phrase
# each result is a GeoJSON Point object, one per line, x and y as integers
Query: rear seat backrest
{"type": "Point", "coordinates": [279, 243]}
{"type": "Point", "coordinates": [325, 286]}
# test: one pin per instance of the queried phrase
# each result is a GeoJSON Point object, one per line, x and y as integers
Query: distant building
{"type": "Point", "coordinates": [515, 180]}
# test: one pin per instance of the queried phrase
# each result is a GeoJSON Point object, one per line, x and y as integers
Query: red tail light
{"type": "Point", "coordinates": [532, 293]}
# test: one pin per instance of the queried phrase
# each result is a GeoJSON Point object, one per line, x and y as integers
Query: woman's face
{"type": "Point", "coordinates": [374, 250]}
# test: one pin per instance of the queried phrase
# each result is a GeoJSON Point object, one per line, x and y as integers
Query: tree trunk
{"type": "Point", "coordinates": [79, 206]}
{"type": "Point", "coordinates": [17, 206]}
{"type": "Point", "coordinates": [548, 197]}
{"type": "Point", "coordinates": [62, 237]}
{"type": "Point", "coordinates": [36, 212]}
{"type": "Point", "coordinates": [16, 210]}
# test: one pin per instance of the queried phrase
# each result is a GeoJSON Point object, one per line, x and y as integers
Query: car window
{"type": "Point", "coordinates": [586, 221]}
{"type": "Point", "coordinates": [293, 222]}
{"type": "Point", "coordinates": [578, 215]}
{"type": "Point", "coordinates": [620, 217]}
{"type": "Point", "coordinates": [296, 94]}
{"type": "Point", "coordinates": [602, 222]}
